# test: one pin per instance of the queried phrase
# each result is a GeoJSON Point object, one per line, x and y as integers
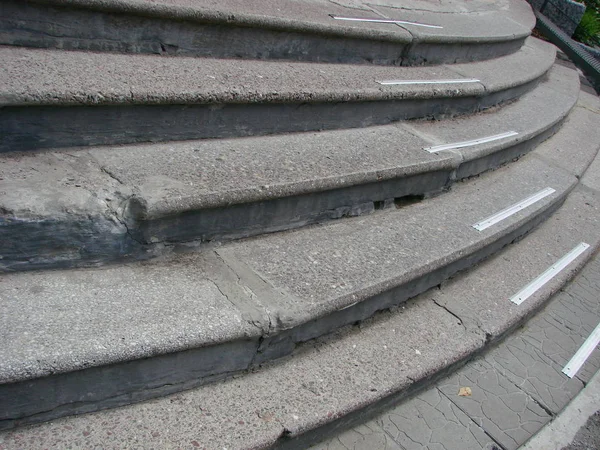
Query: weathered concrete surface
{"type": "Point", "coordinates": [146, 194]}
{"type": "Point", "coordinates": [306, 263]}
{"type": "Point", "coordinates": [515, 388]}
{"type": "Point", "coordinates": [339, 374]}
{"type": "Point", "coordinates": [265, 30]}
{"type": "Point", "coordinates": [50, 77]}
{"type": "Point", "coordinates": [342, 373]}
{"type": "Point", "coordinates": [561, 84]}
{"type": "Point", "coordinates": [130, 99]}
{"type": "Point", "coordinates": [285, 288]}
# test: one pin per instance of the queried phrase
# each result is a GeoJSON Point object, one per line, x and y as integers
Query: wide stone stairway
{"type": "Point", "coordinates": [243, 225]}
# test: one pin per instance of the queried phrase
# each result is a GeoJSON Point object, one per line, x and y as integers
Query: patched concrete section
{"type": "Point", "coordinates": [183, 176]}
{"type": "Point", "coordinates": [432, 421]}
{"type": "Point", "coordinates": [504, 411]}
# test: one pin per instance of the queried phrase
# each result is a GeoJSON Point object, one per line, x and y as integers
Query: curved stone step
{"type": "Point", "coordinates": [99, 338]}
{"type": "Point", "coordinates": [293, 30]}
{"type": "Point", "coordinates": [81, 99]}
{"type": "Point", "coordinates": [347, 377]}
{"type": "Point", "coordinates": [85, 207]}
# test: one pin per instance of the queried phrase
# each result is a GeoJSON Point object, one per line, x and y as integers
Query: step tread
{"type": "Point", "coordinates": [177, 177]}
{"type": "Point", "coordinates": [53, 77]}
{"type": "Point", "coordinates": [504, 20]}
{"type": "Point", "coordinates": [295, 275]}
{"type": "Point", "coordinates": [343, 373]}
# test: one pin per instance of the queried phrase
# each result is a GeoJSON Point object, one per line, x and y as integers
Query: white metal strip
{"type": "Point", "coordinates": [583, 353]}
{"type": "Point", "coordinates": [438, 148]}
{"type": "Point", "coordinates": [460, 80]}
{"type": "Point", "coordinates": [550, 273]}
{"type": "Point", "coordinates": [399, 22]}
{"type": "Point", "coordinates": [498, 217]}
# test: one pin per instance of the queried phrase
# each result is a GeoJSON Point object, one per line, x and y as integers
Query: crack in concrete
{"type": "Point", "coordinates": [451, 313]}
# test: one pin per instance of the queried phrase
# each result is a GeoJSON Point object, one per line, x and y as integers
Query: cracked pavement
{"type": "Point", "coordinates": [516, 388]}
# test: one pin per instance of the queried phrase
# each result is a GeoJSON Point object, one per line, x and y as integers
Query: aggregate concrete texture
{"type": "Point", "coordinates": [299, 275]}
{"type": "Point", "coordinates": [358, 371]}
{"type": "Point", "coordinates": [306, 263]}
{"type": "Point", "coordinates": [50, 77]}
{"type": "Point", "coordinates": [512, 19]}
{"type": "Point", "coordinates": [173, 178]}
{"type": "Point", "coordinates": [515, 389]}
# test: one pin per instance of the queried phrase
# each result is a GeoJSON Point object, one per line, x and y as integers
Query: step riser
{"type": "Point", "coordinates": [28, 24]}
{"type": "Point", "coordinates": [120, 384]}
{"type": "Point", "coordinates": [362, 415]}
{"type": "Point", "coordinates": [284, 342]}
{"type": "Point", "coordinates": [130, 382]}
{"type": "Point", "coordinates": [95, 240]}
{"type": "Point", "coordinates": [39, 127]}
{"type": "Point", "coordinates": [292, 212]}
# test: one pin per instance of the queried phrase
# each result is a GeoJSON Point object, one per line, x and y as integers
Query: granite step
{"type": "Point", "coordinates": [363, 369]}
{"type": "Point", "coordinates": [84, 207]}
{"type": "Point", "coordinates": [293, 30]}
{"type": "Point", "coordinates": [53, 99]}
{"type": "Point", "coordinates": [82, 340]}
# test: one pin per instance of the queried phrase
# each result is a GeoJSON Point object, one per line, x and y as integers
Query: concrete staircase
{"type": "Point", "coordinates": [234, 225]}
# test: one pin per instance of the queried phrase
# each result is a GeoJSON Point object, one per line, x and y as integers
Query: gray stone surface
{"type": "Point", "coordinates": [562, 85]}
{"type": "Point", "coordinates": [504, 411]}
{"type": "Point", "coordinates": [571, 149]}
{"type": "Point", "coordinates": [432, 421]}
{"type": "Point", "coordinates": [499, 21]}
{"type": "Point", "coordinates": [363, 437]}
{"type": "Point", "coordinates": [358, 372]}
{"type": "Point", "coordinates": [566, 14]}
{"type": "Point", "coordinates": [568, 323]}
{"type": "Point", "coordinates": [68, 320]}
{"type": "Point", "coordinates": [313, 15]}
{"type": "Point", "coordinates": [306, 263]}
{"type": "Point", "coordinates": [186, 176]}
{"type": "Point", "coordinates": [486, 301]}
{"type": "Point", "coordinates": [515, 365]}
{"type": "Point", "coordinates": [340, 374]}
{"type": "Point", "coordinates": [51, 77]}
{"type": "Point", "coordinates": [149, 187]}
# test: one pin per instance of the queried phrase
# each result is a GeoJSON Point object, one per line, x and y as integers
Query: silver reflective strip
{"type": "Point", "coordinates": [550, 273]}
{"type": "Point", "coordinates": [399, 22]}
{"type": "Point", "coordinates": [582, 354]}
{"type": "Point", "coordinates": [437, 148]}
{"type": "Point", "coordinates": [461, 80]}
{"type": "Point", "coordinates": [492, 220]}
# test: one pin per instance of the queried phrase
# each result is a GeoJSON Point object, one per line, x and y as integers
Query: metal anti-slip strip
{"type": "Point", "coordinates": [583, 353]}
{"type": "Point", "coordinates": [492, 220]}
{"type": "Point", "coordinates": [438, 148]}
{"type": "Point", "coordinates": [550, 273]}
{"type": "Point", "coordinates": [399, 22]}
{"type": "Point", "coordinates": [460, 80]}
